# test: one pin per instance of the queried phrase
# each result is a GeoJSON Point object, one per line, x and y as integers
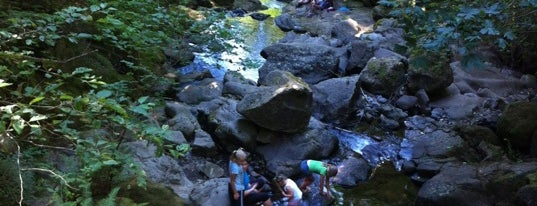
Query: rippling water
{"type": "Point", "coordinates": [250, 37]}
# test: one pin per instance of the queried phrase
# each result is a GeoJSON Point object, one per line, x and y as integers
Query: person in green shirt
{"type": "Point", "coordinates": [308, 167]}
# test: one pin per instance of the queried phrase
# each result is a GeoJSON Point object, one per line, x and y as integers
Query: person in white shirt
{"type": "Point", "coordinates": [290, 190]}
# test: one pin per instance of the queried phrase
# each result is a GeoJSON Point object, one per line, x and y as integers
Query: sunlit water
{"type": "Point", "coordinates": [250, 36]}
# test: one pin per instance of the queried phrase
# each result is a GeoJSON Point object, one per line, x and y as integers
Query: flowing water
{"type": "Point", "coordinates": [243, 51]}
{"type": "Point", "coordinates": [386, 186]}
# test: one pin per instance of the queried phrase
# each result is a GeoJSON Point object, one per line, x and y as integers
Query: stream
{"type": "Point", "coordinates": [386, 186]}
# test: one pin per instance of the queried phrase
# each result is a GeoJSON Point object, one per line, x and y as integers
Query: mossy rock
{"type": "Point", "coordinates": [429, 71]}
{"type": "Point", "coordinates": [154, 194]}
{"type": "Point", "coordinates": [518, 124]}
{"type": "Point", "coordinates": [383, 75]}
{"type": "Point", "coordinates": [506, 185]}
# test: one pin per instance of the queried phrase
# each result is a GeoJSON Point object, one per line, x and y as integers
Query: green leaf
{"type": "Point", "coordinates": [66, 97]}
{"type": "Point", "coordinates": [115, 22]}
{"type": "Point", "coordinates": [4, 84]}
{"type": "Point", "coordinates": [489, 28]}
{"type": "Point", "coordinates": [37, 118]}
{"type": "Point", "coordinates": [141, 100]}
{"type": "Point", "coordinates": [18, 123]}
{"type": "Point", "coordinates": [35, 100]}
{"type": "Point", "coordinates": [110, 162]}
{"type": "Point", "coordinates": [94, 8]}
{"type": "Point", "coordinates": [493, 9]}
{"type": "Point", "coordinates": [84, 35]}
{"type": "Point", "coordinates": [116, 107]}
{"type": "Point", "coordinates": [104, 94]}
{"type": "Point", "coordinates": [468, 13]}
{"type": "Point", "coordinates": [140, 109]}
{"type": "Point", "coordinates": [509, 34]}
{"type": "Point", "coordinates": [81, 70]}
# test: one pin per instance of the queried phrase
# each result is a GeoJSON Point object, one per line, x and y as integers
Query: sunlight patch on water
{"type": "Point", "coordinates": [242, 54]}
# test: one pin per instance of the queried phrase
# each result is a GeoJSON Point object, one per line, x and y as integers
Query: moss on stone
{"type": "Point", "coordinates": [154, 194]}
{"type": "Point", "coordinates": [518, 124]}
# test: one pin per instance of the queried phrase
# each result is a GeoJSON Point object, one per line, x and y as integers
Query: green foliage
{"type": "Point", "coordinates": [45, 107]}
{"type": "Point", "coordinates": [463, 27]}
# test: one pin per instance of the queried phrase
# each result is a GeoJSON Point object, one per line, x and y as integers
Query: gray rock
{"type": "Point", "coordinates": [199, 91]}
{"type": "Point", "coordinates": [284, 104]}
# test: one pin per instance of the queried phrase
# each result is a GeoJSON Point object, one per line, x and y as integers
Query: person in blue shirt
{"type": "Point", "coordinates": [241, 192]}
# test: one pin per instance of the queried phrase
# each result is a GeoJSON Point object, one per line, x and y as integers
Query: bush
{"type": "Point", "coordinates": [466, 27]}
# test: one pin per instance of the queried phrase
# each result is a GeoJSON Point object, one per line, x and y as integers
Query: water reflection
{"type": "Point", "coordinates": [243, 54]}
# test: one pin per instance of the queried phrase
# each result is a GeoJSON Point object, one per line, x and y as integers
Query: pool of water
{"type": "Point", "coordinates": [243, 53]}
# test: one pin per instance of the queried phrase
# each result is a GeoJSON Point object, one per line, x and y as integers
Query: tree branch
{"type": "Point", "coordinates": [51, 172]}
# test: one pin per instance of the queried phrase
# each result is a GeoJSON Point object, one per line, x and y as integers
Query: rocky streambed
{"type": "Point", "coordinates": [335, 89]}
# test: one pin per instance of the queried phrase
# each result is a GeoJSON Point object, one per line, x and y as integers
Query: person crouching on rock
{"type": "Point", "coordinates": [308, 167]}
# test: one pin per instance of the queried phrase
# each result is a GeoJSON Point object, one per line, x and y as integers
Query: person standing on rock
{"type": "Point", "coordinates": [308, 167]}
{"type": "Point", "coordinates": [239, 193]}
{"type": "Point", "coordinates": [236, 177]}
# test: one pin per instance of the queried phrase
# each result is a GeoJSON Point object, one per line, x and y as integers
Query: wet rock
{"type": "Point", "coordinates": [351, 172]}
{"type": "Point", "coordinates": [259, 16]}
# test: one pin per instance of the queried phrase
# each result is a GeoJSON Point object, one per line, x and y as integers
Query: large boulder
{"type": "Point", "coordinates": [333, 98]}
{"type": "Point", "coordinates": [518, 125]}
{"type": "Point", "coordinates": [311, 62]}
{"type": "Point", "coordinates": [455, 185]}
{"type": "Point", "coordinates": [211, 192]}
{"type": "Point", "coordinates": [283, 103]}
{"type": "Point", "coordinates": [164, 169]}
{"type": "Point", "coordinates": [383, 76]}
{"type": "Point", "coordinates": [228, 128]}
{"type": "Point", "coordinates": [495, 183]}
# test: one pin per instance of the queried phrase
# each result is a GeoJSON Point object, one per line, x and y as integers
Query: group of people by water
{"type": "Point", "coordinates": [245, 189]}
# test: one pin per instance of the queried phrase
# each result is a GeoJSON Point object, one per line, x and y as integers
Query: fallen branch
{"type": "Point", "coordinates": [51, 172]}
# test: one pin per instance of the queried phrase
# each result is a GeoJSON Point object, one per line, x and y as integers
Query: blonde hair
{"type": "Point", "coordinates": [238, 154]}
